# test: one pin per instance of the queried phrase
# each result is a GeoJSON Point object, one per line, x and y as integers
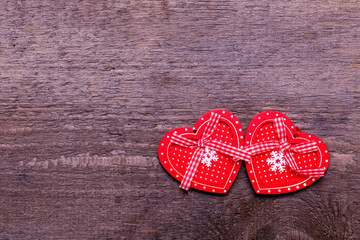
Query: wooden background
{"type": "Point", "coordinates": [88, 89]}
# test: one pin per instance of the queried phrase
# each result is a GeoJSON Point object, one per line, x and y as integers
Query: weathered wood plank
{"type": "Point", "coordinates": [88, 88]}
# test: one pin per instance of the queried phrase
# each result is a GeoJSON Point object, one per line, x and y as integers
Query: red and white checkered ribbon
{"type": "Point", "coordinates": [200, 145]}
{"type": "Point", "coordinates": [287, 149]}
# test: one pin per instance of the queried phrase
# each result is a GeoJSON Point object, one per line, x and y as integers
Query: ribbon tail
{"type": "Point", "coordinates": [259, 148]}
{"type": "Point", "coordinates": [212, 125]}
{"type": "Point", "coordinates": [315, 172]}
{"type": "Point", "coordinates": [236, 153]}
{"type": "Point", "coordinates": [191, 170]}
{"type": "Point", "coordinates": [182, 141]}
{"type": "Point", "coordinates": [291, 161]}
{"type": "Point", "coordinates": [280, 129]}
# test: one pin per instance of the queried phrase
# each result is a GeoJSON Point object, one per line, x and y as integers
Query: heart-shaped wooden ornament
{"type": "Point", "coordinates": [268, 172]}
{"type": "Point", "coordinates": [216, 172]}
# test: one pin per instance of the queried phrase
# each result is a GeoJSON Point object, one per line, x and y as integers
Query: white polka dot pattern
{"type": "Point", "coordinates": [216, 178]}
{"type": "Point", "coordinates": [260, 172]}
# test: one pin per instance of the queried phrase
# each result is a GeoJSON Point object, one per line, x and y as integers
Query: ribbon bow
{"type": "Point", "coordinates": [201, 144]}
{"type": "Point", "coordinates": [287, 148]}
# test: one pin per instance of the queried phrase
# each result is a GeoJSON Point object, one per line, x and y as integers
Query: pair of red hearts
{"type": "Point", "coordinates": [279, 157]}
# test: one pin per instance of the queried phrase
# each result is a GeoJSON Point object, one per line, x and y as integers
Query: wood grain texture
{"type": "Point", "coordinates": [88, 89]}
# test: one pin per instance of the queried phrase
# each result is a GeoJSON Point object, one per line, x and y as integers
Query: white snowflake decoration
{"type": "Point", "coordinates": [209, 156]}
{"type": "Point", "coordinates": [276, 161]}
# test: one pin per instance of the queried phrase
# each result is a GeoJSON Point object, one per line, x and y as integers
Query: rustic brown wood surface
{"type": "Point", "coordinates": [88, 89]}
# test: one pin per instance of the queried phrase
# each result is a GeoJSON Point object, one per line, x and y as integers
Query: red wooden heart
{"type": "Point", "coordinates": [218, 172]}
{"type": "Point", "coordinates": [267, 172]}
